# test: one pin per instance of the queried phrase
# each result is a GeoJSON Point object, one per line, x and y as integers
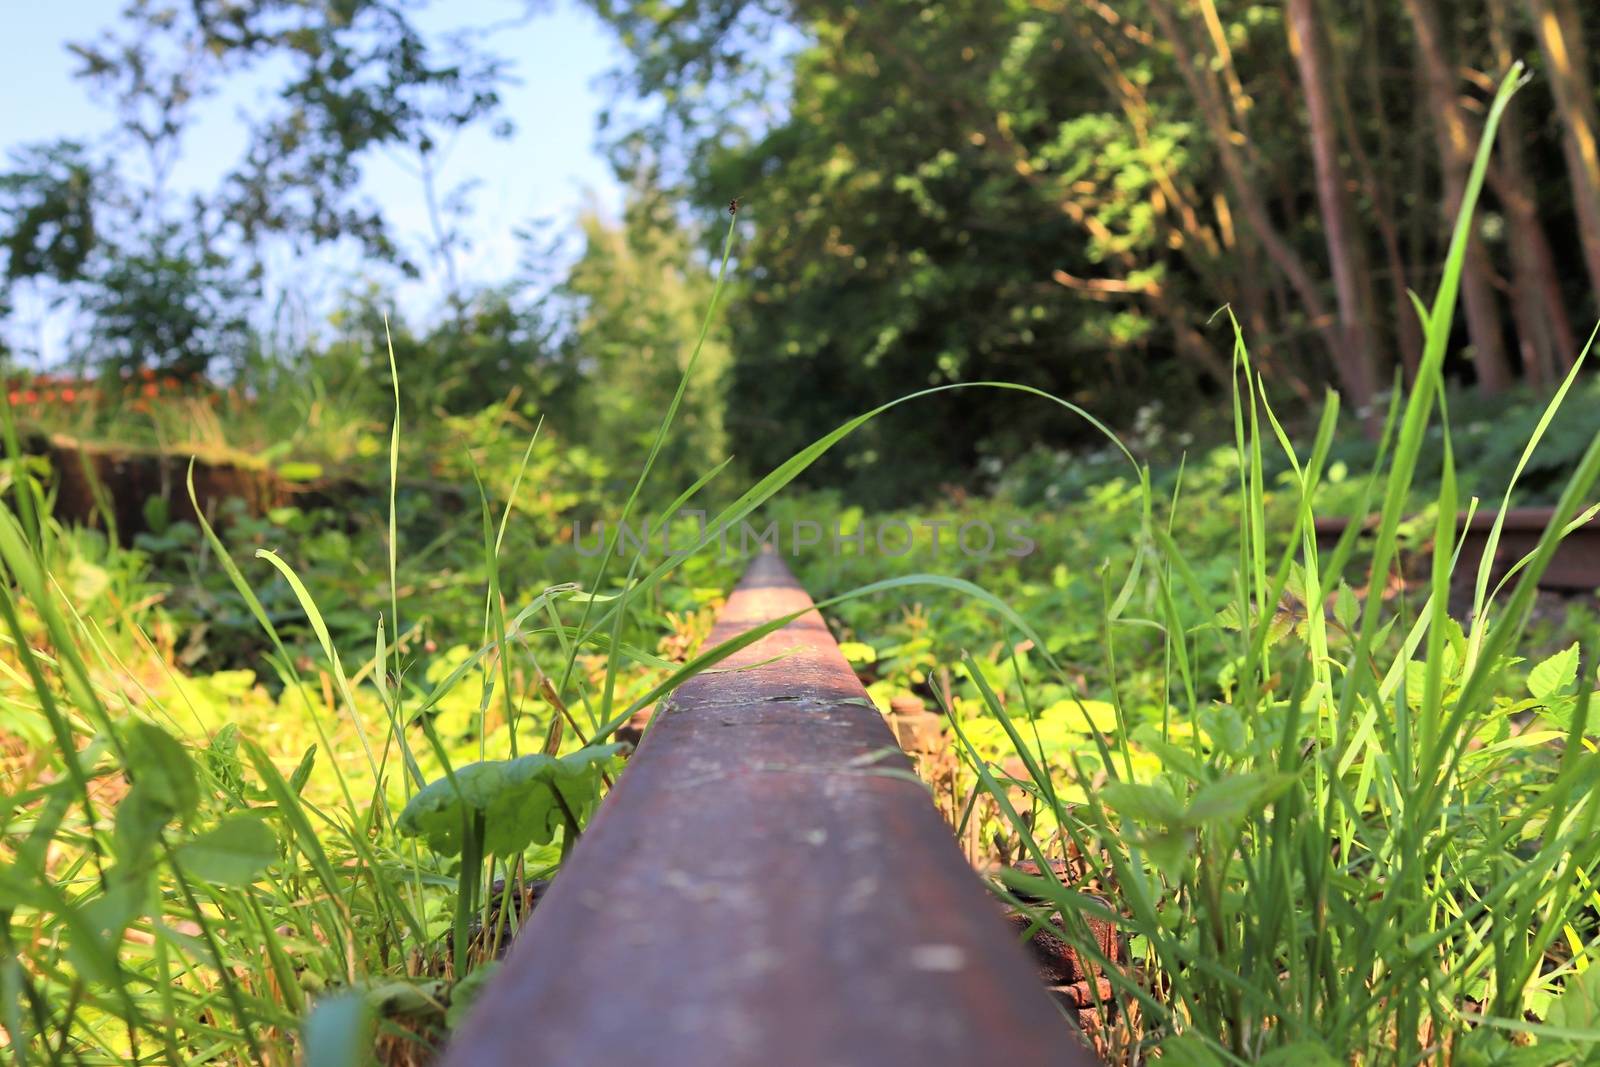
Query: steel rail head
{"type": "Point", "coordinates": [768, 883]}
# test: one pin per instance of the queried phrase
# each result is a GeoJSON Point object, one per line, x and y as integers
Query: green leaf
{"type": "Point", "coordinates": [1173, 758]}
{"type": "Point", "coordinates": [1555, 675]}
{"type": "Point", "coordinates": [138, 820]}
{"type": "Point", "coordinates": [465, 993]}
{"type": "Point", "coordinates": [1082, 716]}
{"type": "Point", "coordinates": [1578, 1007]}
{"type": "Point", "coordinates": [164, 788]}
{"type": "Point", "coordinates": [1187, 1050]}
{"type": "Point", "coordinates": [1229, 798]}
{"type": "Point", "coordinates": [225, 742]}
{"type": "Point", "coordinates": [1150, 804]}
{"type": "Point", "coordinates": [1168, 850]}
{"type": "Point", "coordinates": [1224, 725]}
{"type": "Point", "coordinates": [160, 766]}
{"type": "Point", "coordinates": [104, 918]}
{"type": "Point", "coordinates": [1229, 618]}
{"type": "Point", "coordinates": [338, 1032]}
{"type": "Point", "coordinates": [1346, 608]}
{"type": "Point", "coordinates": [302, 772]}
{"type": "Point", "coordinates": [1300, 1054]}
{"type": "Point", "coordinates": [86, 580]}
{"type": "Point", "coordinates": [296, 471]}
{"type": "Point", "coordinates": [157, 514]}
{"type": "Point", "coordinates": [406, 997]}
{"type": "Point", "coordinates": [231, 853]}
{"type": "Point", "coordinates": [517, 797]}
{"type": "Point", "coordinates": [1416, 681]}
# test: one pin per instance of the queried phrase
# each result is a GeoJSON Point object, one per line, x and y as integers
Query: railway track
{"type": "Point", "coordinates": [767, 883]}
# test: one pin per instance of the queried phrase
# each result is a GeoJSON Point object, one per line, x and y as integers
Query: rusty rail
{"type": "Point", "coordinates": [767, 884]}
{"type": "Point", "coordinates": [1574, 568]}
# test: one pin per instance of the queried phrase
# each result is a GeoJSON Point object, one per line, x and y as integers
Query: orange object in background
{"type": "Point", "coordinates": [47, 389]}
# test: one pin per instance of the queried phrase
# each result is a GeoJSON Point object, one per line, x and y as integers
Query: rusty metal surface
{"type": "Point", "coordinates": [767, 884]}
{"type": "Point", "coordinates": [1574, 568]}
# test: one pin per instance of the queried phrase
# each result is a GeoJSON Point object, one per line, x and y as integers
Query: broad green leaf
{"type": "Point", "coordinates": [464, 994]}
{"type": "Point", "coordinates": [1173, 758]}
{"type": "Point", "coordinates": [1555, 675]}
{"type": "Point", "coordinates": [1300, 1054]}
{"type": "Point", "coordinates": [1228, 798]}
{"type": "Point", "coordinates": [1149, 804]}
{"type": "Point", "coordinates": [1225, 727]}
{"type": "Point", "coordinates": [338, 1032]}
{"type": "Point", "coordinates": [139, 819]}
{"type": "Point", "coordinates": [1169, 851]}
{"type": "Point", "coordinates": [1578, 1007]}
{"type": "Point", "coordinates": [403, 997]}
{"type": "Point", "coordinates": [1485, 1046]}
{"type": "Point", "coordinates": [1082, 716]}
{"type": "Point", "coordinates": [231, 853]}
{"type": "Point", "coordinates": [160, 766]}
{"type": "Point", "coordinates": [517, 797]}
{"type": "Point", "coordinates": [164, 789]}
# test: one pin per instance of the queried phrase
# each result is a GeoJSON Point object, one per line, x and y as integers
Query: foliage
{"type": "Point", "coordinates": [155, 818]}
{"type": "Point", "coordinates": [159, 277]}
{"type": "Point", "coordinates": [49, 203]}
{"type": "Point", "coordinates": [360, 77]}
{"type": "Point", "coordinates": [262, 801]}
{"type": "Point", "coordinates": [1369, 842]}
{"type": "Point", "coordinates": [1063, 194]}
{"type": "Point", "coordinates": [173, 305]}
{"type": "Point", "coordinates": [639, 292]}
{"type": "Point", "coordinates": [522, 801]}
{"type": "Point", "coordinates": [272, 777]}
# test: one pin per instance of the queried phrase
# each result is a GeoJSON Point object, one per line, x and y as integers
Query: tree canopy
{"type": "Point", "coordinates": [1066, 194]}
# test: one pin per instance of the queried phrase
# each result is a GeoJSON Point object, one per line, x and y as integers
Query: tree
{"type": "Point", "coordinates": [926, 166]}
{"type": "Point", "coordinates": [164, 274]}
{"type": "Point", "coordinates": [1566, 59]}
{"type": "Point", "coordinates": [501, 347]}
{"type": "Point", "coordinates": [1358, 353]}
{"type": "Point", "coordinates": [173, 303]}
{"type": "Point", "coordinates": [360, 77]}
{"type": "Point", "coordinates": [1456, 145]}
{"type": "Point", "coordinates": [48, 202]}
{"type": "Point", "coordinates": [638, 295]}
{"type": "Point", "coordinates": [1545, 338]}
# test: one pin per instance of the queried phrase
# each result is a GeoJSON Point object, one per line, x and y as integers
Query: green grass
{"type": "Point", "coordinates": [1375, 846]}
{"type": "Point", "coordinates": [249, 866]}
{"type": "Point", "coordinates": [261, 778]}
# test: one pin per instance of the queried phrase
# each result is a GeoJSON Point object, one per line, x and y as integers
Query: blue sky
{"type": "Point", "coordinates": [548, 170]}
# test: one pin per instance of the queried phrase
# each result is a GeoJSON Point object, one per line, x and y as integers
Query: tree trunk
{"type": "Point", "coordinates": [1561, 41]}
{"type": "Point", "coordinates": [1358, 353]}
{"type": "Point", "coordinates": [1382, 186]}
{"type": "Point", "coordinates": [1544, 338]}
{"type": "Point", "coordinates": [1252, 206]}
{"type": "Point", "coordinates": [1456, 148]}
